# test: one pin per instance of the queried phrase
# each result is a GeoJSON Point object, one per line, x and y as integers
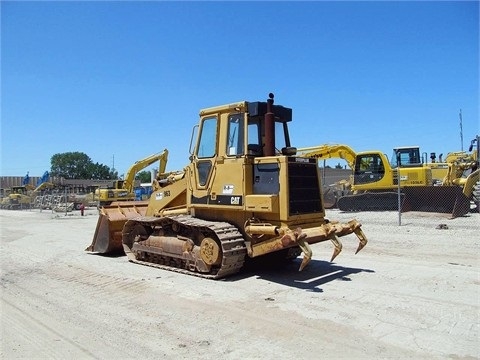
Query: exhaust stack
{"type": "Point", "coordinates": [269, 149]}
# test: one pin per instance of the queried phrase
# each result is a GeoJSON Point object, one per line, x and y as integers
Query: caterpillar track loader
{"type": "Point", "coordinates": [243, 194]}
{"type": "Point", "coordinates": [375, 182]}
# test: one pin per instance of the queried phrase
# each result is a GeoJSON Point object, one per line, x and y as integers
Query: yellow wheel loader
{"type": "Point", "coordinates": [244, 193]}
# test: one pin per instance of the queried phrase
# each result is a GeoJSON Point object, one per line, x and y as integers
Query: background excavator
{"type": "Point", "coordinates": [123, 190]}
{"type": "Point", "coordinates": [374, 181]}
{"type": "Point", "coordinates": [244, 194]}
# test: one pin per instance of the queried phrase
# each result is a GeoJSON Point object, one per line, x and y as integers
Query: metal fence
{"type": "Point", "coordinates": [452, 200]}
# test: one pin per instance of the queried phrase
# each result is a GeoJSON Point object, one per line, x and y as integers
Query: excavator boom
{"type": "Point", "coordinates": [161, 157]}
{"type": "Point", "coordinates": [124, 189]}
{"type": "Point", "coordinates": [328, 151]}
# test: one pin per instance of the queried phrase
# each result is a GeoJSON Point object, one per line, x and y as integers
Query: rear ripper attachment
{"type": "Point", "coordinates": [287, 238]}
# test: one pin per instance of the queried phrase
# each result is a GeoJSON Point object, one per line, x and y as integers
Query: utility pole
{"type": "Point", "coordinates": [461, 129]}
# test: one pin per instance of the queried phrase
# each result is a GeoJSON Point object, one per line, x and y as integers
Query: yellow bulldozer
{"type": "Point", "coordinates": [446, 187]}
{"type": "Point", "coordinates": [244, 194]}
{"type": "Point", "coordinates": [123, 190]}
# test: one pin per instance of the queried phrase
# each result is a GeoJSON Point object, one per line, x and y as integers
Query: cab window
{"type": "Point", "coordinates": [254, 138]}
{"type": "Point", "coordinates": [208, 135]}
{"type": "Point", "coordinates": [406, 157]}
{"type": "Point", "coordinates": [368, 169]}
{"type": "Point", "coordinates": [279, 135]}
{"type": "Point", "coordinates": [235, 143]}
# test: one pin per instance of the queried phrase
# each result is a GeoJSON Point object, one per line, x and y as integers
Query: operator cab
{"type": "Point", "coordinates": [406, 156]}
{"type": "Point", "coordinates": [264, 132]}
{"type": "Point", "coordinates": [241, 130]}
{"type": "Point", "coordinates": [369, 168]}
{"type": "Point", "coordinates": [256, 136]}
{"type": "Point", "coordinates": [253, 129]}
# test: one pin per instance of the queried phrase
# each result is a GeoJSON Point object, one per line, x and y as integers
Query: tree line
{"type": "Point", "coordinates": [78, 165]}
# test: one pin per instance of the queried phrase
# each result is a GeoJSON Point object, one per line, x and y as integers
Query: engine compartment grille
{"type": "Point", "coordinates": [303, 188]}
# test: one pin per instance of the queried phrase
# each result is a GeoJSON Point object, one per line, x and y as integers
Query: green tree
{"type": "Point", "coordinates": [144, 176]}
{"type": "Point", "coordinates": [100, 171]}
{"type": "Point", "coordinates": [78, 165]}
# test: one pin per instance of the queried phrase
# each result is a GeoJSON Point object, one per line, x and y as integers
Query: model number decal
{"type": "Point", "coordinates": [161, 195]}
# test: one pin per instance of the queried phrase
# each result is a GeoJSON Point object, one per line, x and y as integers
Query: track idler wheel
{"type": "Point", "coordinates": [210, 252]}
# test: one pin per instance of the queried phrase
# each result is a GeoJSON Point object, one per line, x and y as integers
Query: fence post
{"type": "Point", "coordinates": [399, 190]}
{"type": "Point", "coordinates": [65, 198]}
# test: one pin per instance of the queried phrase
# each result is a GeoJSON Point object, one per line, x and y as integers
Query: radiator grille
{"type": "Point", "coordinates": [304, 192]}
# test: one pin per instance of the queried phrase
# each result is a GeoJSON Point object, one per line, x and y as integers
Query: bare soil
{"type": "Point", "coordinates": [412, 292]}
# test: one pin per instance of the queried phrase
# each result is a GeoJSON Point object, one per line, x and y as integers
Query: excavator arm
{"type": "Point", "coordinates": [162, 157]}
{"type": "Point", "coordinates": [329, 151]}
{"type": "Point", "coordinates": [43, 186]}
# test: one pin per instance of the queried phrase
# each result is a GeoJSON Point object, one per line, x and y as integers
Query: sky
{"type": "Point", "coordinates": [120, 81]}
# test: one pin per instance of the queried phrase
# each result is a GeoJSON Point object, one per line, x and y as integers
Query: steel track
{"type": "Point", "coordinates": [230, 239]}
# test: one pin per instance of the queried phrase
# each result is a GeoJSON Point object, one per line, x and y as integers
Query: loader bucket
{"type": "Point", "coordinates": [108, 233]}
{"type": "Point", "coordinates": [442, 199]}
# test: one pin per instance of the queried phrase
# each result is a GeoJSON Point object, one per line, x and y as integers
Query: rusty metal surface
{"type": "Point", "coordinates": [303, 237]}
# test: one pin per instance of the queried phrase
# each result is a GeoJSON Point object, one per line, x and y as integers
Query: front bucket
{"type": "Point", "coordinates": [112, 218]}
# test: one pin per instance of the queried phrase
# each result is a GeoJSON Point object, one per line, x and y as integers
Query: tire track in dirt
{"type": "Point", "coordinates": [90, 317]}
{"type": "Point", "coordinates": [35, 338]}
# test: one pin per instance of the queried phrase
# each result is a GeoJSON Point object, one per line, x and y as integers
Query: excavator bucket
{"type": "Point", "coordinates": [112, 218]}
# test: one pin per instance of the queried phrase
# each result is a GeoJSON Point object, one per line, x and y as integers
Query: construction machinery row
{"type": "Point", "coordinates": [53, 198]}
{"type": "Point", "coordinates": [45, 195]}
{"type": "Point", "coordinates": [53, 195]}
{"type": "Point", "coordinates": [411, 183]}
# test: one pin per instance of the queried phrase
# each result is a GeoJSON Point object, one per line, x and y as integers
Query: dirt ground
{"type": "Point", "coordinates": [412, 292]}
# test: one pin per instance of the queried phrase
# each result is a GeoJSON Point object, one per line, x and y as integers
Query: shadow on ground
{"type": "Point", "coordinates": [315, 274]}
{"type": "Point", "coordinates": [113, 254]}
{"type": "Point", "coordinates": [311, 278]}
